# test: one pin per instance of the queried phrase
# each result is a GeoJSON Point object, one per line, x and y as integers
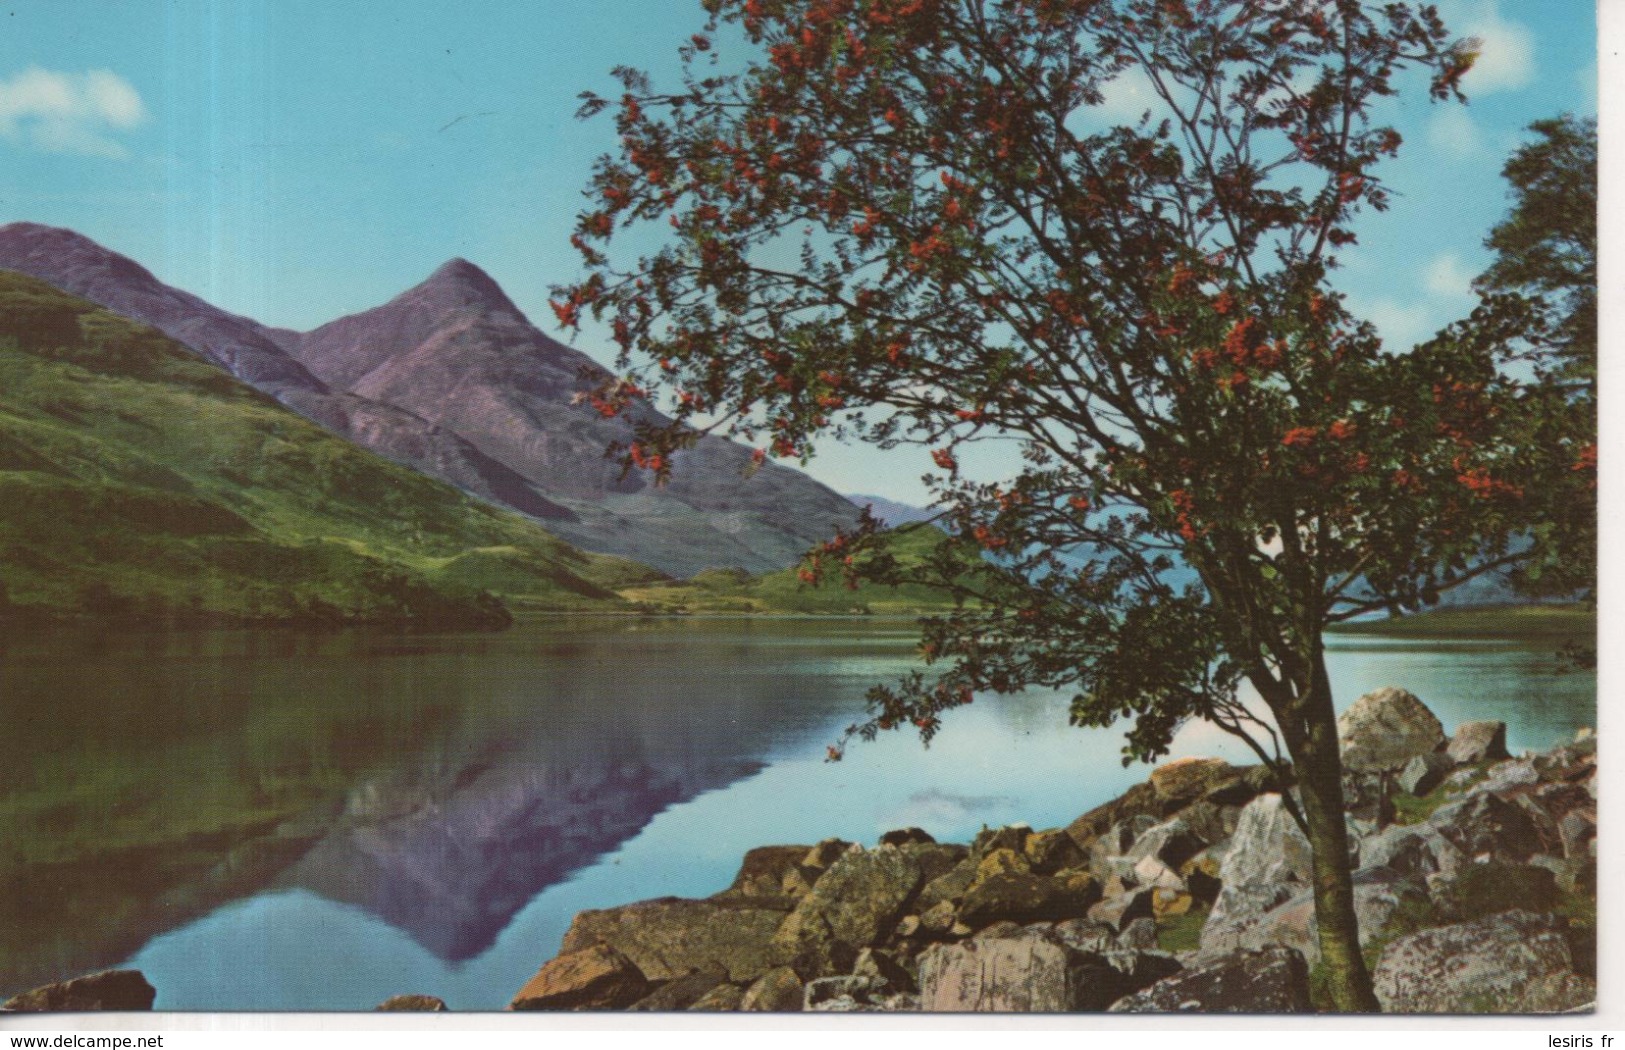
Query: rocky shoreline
{"type": "Point", "coordinates": [1475, 886]}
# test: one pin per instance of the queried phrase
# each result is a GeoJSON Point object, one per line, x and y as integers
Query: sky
{"type": "Point", "coordinates": [295, 161]}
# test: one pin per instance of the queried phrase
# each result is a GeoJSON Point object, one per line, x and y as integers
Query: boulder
{"type": "Point", "coordinates": [670, 936]}
{"type": "Point", "coordinates": [1011, 837]}
{"type": "Point", "coordinates": [1514, 962]}
{"type": "Point", "coordinates": [949, 886]}
{"type": "Point", "coordinates": [1417, 850]}
{"type": "Point", "coordinates": [1425, 772]}
{"type": "Point", "coordinates": [1513, 773]}
{"type": "Point", "coordinates": [763, 871]}
{"type": "Point", "coordinates": [1086, 935]}
{"type": "Point", "coordinates": [1239, 916]}
{"type": "Point", "coordinates": [826, 853]}
{"type": "Point", "coordinates": [1477, 742]}
{"type": "Point", "coordinates": [1378, 895]}
{"type": "Point", "coordinates": [1051, 851]}
{"type": "Point", "coordinates": [427, 1004]}
{"type": "Point", "coordinates": [1172, 843]}
{"type": "Point", "coordinates": [1577, 830]}
{"type": "Point", "coordinates": [848, 993]}
{"type": "Point", "coordinates": [108, 990]}
{"type": "Point", "coordinates": [907, 837]}
{"type": "Point", "coordinates": [1267, 846]}
{"type": "Point", "coordinates": [681, 993]}
{"type": "Point", "coordinates": [593, 978]}
{"type": "Point", "coordinates": [1141, 800]}
{"type": "Point", "coordinates": [1024, 898]}
{"type": "Point", "coordinates": [881, 966]}
{"type": "Point", "coordinates": [1119, 911]}
{"type": "Point", "coordinates": [1385, 729]}
{"type": "Point", "coordinates": [778, 990]}
{"type": "Point", "coordinates": [1116, 841]}
{"type": "Point", "coordinates": [1266, 981]}
{"type": "Point", "coordinates": [1029, 973]}
{"type": "Point", "coordinates": [1486, 825]}
{"type": "Point", "coordinates": [1191, 778]}
{"type": "Point", "coordinates": [1139, 935]}
{"type": "Point", "coordinates": [724, 998]}
{"type": "Point", "coordinates": [1002, 861]}
{"type": "Point", "coordinates": [854, 905]}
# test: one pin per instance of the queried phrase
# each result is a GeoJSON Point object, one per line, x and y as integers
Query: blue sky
{"type": "Point", "coordinates": [295, 161]}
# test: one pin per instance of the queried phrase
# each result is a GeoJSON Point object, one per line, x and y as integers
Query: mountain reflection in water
{"type": "Point", "coordinates": [291, 821]}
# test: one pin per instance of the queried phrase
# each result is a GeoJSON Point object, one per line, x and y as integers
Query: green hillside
{"type": "Point", "coordinates": [1569, 622]}
{"type": "Point", "coordinates": [139, 482]}
{"type": "Point", "coordinates": [783, 592]}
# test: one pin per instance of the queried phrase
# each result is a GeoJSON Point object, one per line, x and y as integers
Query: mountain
{"type": "Point", "coordinates": [251, 352]}
{"type": "Point", "coordinates": [451, 379]}
{"type": "Point", "coordinates": [139, 481]}
{"type": "Point", "coordinates": [456, 351]}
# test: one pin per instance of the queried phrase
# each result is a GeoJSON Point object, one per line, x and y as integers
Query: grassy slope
{"type": "Point", "coordinates": [139, 481]}
{"type": "Point", "coordinates": [1575, 622]}
{"type": "Point", "coordinates": [727, 591]}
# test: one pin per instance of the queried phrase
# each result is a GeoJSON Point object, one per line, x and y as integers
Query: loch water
{"type": "Point", "coordinates": [290, 821]}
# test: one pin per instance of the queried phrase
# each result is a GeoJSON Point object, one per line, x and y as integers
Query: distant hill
{"type": "Point", "coordinates": [784, 592]}
{"type": "Point", "coordinates": [139, 481]}
{"type": "Point", "coordinates": [890, 512]}
{"type": "Point", "coordinates": [451, 379]}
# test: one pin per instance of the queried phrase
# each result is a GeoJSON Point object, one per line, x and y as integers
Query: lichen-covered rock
{"type": "Point", "coordinates": [1477, 742]}
{"type": "Point", "coordinates": [1171, 842]}
{"type": "Point", "coordinates": [763, 870]}
{"type": "Point", "coordinates": [670, 936]}
{"type": "Point", "coordinates": [594, 978]}
{"type": "Point", "coordinates": [872, 962]}
{"type": "Point", "coordinates": [1514, 962]}
{"type": "Point", "coordinates": [108, 990]}
{"type": "Point", "coordinates": [1266, 981]}
{"type": "Point", "coordinates": [1415, 850]}
{"type": "Point", "coordinates": [1051, 851]}
{"type": "Point", "coordinates": [778, 990]}
{"type": "Point", "coordinates": [1190, 778]}
{"type": "Point", "coordinates": [1239, 918]}
{"type": "Point", "coordinates": [854, 905]}
{"type": "Point", "coordinates": [1119, 911]}
{"type": "Point", "coordinates": [428, 1004]}
{"type": "Point", "coordinates": [1022, 898]}
{"type": "Point", "coordinates": [1385, 729]}
{"type": "Point", "coordinates": [724, 998]}
{"type": "Point", "coordinates": [681, 993]}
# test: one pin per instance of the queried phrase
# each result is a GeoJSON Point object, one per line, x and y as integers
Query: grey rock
{"type": "Point", "coordinates": [1514, 962]}
{"type": "Point", "coordinates": [1486, 825]}
{"type": "Point", "coordinates": [1512, 773]}
{"type": "Point", "coordinates": [1425, 772]}
{"type": "Point", "coordinates": [1027, 974]}
{"type": "Point", "coordinates": [1238, 919]}
{"type": "Point", "coordinates": [429, 1004]}
{"type": "Point", "coordinates": [1477, 742]}
{"type": "Point", "coordinates": [1267, 846]}
{"type": "Point", "coordinates": [1121, 910]}
{"type": "Point", "coordinates": [1267, 981]}
{"type": "Point", "coordinates": [1417, 851]}
{"type": "Point", "coordinates": [1086, 935]}
{"type": "Point", "coordinates": [1139, 935]}
{"type": "Point", "coordinates": [1385, 729]}
{"type": "Point", "coordinates": [825, 994]}
{"type": "Point", "coordinates": [1171, 842]}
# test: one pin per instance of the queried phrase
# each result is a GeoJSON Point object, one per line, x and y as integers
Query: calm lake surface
{"type": "Point", "coordinates": [275, 821]}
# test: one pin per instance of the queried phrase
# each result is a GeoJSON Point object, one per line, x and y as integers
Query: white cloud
{"type": "Point", "coordinates": [1452, 130]}
{"type": "Point", "coordinates": [69, 112]}
{"type": "Point", "coordinates": [1446, 275]}
{"type": "Point", "coordinates": [1401, 325]}
{"type": "Point", "coordinates": [1126, 98]}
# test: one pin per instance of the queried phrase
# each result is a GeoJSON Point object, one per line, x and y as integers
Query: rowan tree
{"type": "Point", "coordinates": [907, 222]}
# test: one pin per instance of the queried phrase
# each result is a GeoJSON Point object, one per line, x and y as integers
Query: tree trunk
{"type": "Point", "coordinates": [1319, 767]}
